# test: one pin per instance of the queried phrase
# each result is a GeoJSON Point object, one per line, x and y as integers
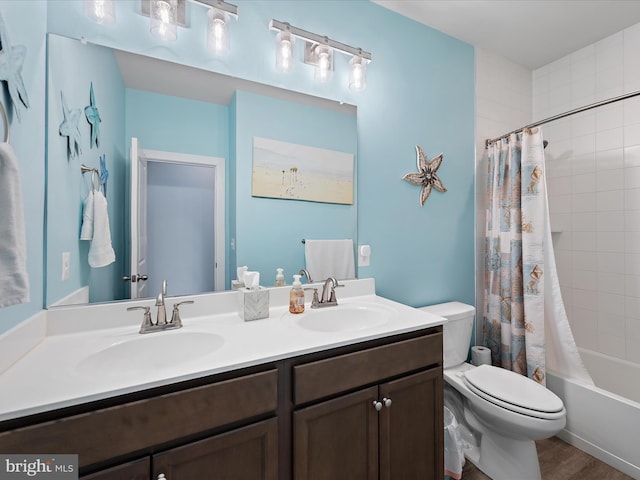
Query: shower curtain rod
{"type": "Point", "coordinates": [565, 114]}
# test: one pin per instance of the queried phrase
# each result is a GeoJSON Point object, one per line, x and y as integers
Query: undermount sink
{"type": "Point", "coordinates": [344, 317]}
{"type": "Point", "coordinates": [151, 352]}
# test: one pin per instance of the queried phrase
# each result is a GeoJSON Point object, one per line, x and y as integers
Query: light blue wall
{"type": "Point", "coordinates": [420, 91]}
{"type": "Point", "coordinates": [267, 227]}
{"type": "Point", "coordinates": [26, 25]}
{"type": "Point", "coordinates": [72, 69]}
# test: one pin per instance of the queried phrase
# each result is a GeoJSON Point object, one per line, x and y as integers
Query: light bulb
{"type": "Point", "coordinates": [218, 40]}
{"type": "Point", "coordinates": [324, 68]}
{"type": "Point", "coordinates": [163, 19]}
{"type": "Point", "coordinates": [100, 11]}
{"type": "Point", "coordinates": [357, 73]}
{"type": "Point", "coordinates": [284, 52]}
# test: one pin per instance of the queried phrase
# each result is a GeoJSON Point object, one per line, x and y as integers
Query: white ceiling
{"type": "Point", "coordinates": [531, 33]}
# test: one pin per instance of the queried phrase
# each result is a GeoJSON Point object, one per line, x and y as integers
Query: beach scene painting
{"type": "Point", "coordinates": [300, 172]}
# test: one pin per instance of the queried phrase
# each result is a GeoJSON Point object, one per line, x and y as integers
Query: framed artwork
{"type": "Point", "coordinates": [300, 172]}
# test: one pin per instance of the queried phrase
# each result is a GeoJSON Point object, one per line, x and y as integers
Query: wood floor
{"type": "Point", "coordinates": [560, 461]}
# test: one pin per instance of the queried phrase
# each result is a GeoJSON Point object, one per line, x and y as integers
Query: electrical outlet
{"type": "Point", "coordinates": [66, 265]}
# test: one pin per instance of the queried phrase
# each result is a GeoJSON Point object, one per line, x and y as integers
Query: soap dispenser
{"type": "Point", "coordinates": [279, 277]}
{"type": "Point", "coordinates": [296, 296]}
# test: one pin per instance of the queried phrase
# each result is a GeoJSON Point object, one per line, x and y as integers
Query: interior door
{"type": "Point", "coordinates": [138, 221]}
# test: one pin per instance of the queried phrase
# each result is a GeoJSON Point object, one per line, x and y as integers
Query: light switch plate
{"type": "Point", "coordinates": [66, 265]}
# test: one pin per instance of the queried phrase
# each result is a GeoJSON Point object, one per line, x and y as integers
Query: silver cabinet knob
{"type": "Point", "coordinates": [387, 402]}
{"type": "Point", "coordinates": [161, 477]}
{"type": "Point", "coordinates": [377, 405]}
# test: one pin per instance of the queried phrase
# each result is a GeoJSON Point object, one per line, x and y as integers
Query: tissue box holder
{"type": "Point", "coordinates": [254, 304]}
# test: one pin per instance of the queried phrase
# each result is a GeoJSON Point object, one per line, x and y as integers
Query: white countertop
{"type": "Point", "coordinates": [52, 375]}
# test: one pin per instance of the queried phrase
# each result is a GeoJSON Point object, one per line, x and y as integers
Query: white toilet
{"type": "Point", "coordinates": [501, 413]}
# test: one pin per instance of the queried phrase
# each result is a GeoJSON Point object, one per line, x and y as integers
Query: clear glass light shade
{"type": "Point", "coordinates": [218, 38]}
{"type": "Point", "coordinates": [324, 68]}
{"type": "Point", "coordinates": [357, 73]}
{"type": "Point", "coordinates": [101, 11]}
{"type": "Point", "coordinates": [285, 52]}
{"type": "Point", "coordinates": [163, 19]}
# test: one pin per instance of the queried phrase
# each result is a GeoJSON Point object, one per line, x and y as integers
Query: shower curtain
{"type": "Point", "coordinates": [525, 324]}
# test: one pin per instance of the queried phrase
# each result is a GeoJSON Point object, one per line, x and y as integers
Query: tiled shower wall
{"type": "Point", "coordinates": [593, 173]}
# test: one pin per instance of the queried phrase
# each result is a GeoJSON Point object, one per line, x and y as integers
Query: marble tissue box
{"type": "Point", "coordinates": [254, 304]}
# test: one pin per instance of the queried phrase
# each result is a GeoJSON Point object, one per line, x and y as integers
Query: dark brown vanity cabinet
{"type": "Point", "coordinates": [368, 411]}
{"type": "Point", "coordinates": [390, 430]}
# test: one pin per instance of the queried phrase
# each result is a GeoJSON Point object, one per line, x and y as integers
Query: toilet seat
{"type": "Point", "coordinates": [513, 392]}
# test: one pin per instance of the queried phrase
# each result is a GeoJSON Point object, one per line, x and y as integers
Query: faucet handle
{"type": "Point", "coordinates": [146, 320]}
{"type": "Point", "coordinates": [175, 316]}
{"type": "Point", "coordinates": [316, 301]}
{"type": "Point", "coordinates": [164, 288]}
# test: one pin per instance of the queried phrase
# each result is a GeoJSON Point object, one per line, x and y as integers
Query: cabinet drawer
{"type": "Point", "coordinates": [135, 426]}
{"type": "Point", "coordinates": [337, 374]}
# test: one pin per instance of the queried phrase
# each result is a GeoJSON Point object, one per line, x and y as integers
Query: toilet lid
{"type": "Point", "coordinates": [513, 391]}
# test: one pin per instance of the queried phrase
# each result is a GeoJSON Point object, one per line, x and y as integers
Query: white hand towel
{"type": "Point", "coordinates": [14, 281]}
{"type": "Point", "coordinates": [330, 258]}
{"type": "Point", "coordinates": [86, 232]}
{"type": "Point", "coordinates": [101, 251]}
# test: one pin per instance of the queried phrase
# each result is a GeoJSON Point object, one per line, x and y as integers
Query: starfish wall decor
{"type": "Point", "coordinates": [426, 175]}
{"type": "Point", "coordinates": [11, 61]}
{"type": "Point", "coordinates": [69, 128]}
{"type": "Point", "coordinates": [93, 117]}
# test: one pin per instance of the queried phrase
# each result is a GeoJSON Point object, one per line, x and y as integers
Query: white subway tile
{"type": "Point", "coordinates": [633, 326]}
{"type": "Point", "coordinates": [632, 156]}
{"type": "Point", "coordinates": [583, 145]}
{"type": "Point", "coordinates": [584, 222]}
{"type": "Point", "coordinates": [585, 280]}
{"type": "Point", "coordinates": [562, 241]}
{"type": "Point", "coordinates": [611, 283]}
{"type": "Point", "coordinates": [560, 222]}
{"type": "Point", "coordinates": [583, 124]}
{"type": "Point", "coordinates": [559, 204]}
{"type": "Point", "coordinates": [611, 303]}
{"type": "Point", "coordinates": [610, 200]}
{"type": "Point", "coordinates": [632, 221]}
{"type": "Point", "coordinates": [585, 260]}
{"type": "Point", "coordinates": [584, 163]}
{"type": "Point", "coordinates": [584, 324]}
{"type": "Point", "coordinates": [632, 199]}
{"type": "Point", "coordinates": [612, 345]}
{"type": "Point", "coordinates": [632, 285]}
{"type": "Point", "coordinates": [612, 324]}
{"type": "Point", "coordinates": [583, 183]}
{"type": "Point", "coordinates": [611, 242]}
{"type": "Point", "coordinates": [559, 185]}
{"type": "Point", "coordinates": [632, 264]}
{"type": "Point", "coordinates": [610, 221]}
{"type": "Point", "coordinates": [609, 117]}
{"type": "Point", "coordinates": [585, 299]}
{"type": "Point", "coordinates": [632, 134]}
{"type": "Point", "coordinates": [632, 242]}
{"type": "Point", "coordinates": [609, 159]}
{"type": "Point", "coordinates": [609, 139]}
{"type": "Point", "coordinates": [631, 108]}
{"type": "Point", "coordinates": [632, 309]}
{"type": "Point", "coordinates": [610, 179]}
{"type": "Point", "coordinates": [583, 202]}
{"type": "Point", "coordinates": [609, 262]}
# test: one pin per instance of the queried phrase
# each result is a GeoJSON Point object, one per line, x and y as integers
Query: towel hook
{"type": "Point", "coordinates": [5, 119]}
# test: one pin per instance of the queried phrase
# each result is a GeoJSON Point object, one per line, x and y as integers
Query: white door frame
{"type": "Point", "coordinates": [219, 201]}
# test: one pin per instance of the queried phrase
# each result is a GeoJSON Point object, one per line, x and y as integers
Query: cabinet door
{"type": "Point", "coordinates": [245, 453]}
{"type": "Point", "coordinates": [411, 428]}
{"type": "Point", "coordinates": [137, 470]}
{"type": "Point", "coordinates": [337, 439]}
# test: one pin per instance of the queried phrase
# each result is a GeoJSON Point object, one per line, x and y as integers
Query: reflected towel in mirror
{"type": "Point", "coordinates": [330, 258]}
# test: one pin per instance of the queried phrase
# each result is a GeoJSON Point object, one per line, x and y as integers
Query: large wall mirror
{"type": "Point", "coordinates": [193, 135]}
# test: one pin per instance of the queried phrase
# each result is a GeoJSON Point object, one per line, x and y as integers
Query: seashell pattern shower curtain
{"type": "Point", "coordinates": [525, 324]}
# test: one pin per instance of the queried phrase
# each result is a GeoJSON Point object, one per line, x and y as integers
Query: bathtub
{"type": "Point", "coordinates": [603, 421]}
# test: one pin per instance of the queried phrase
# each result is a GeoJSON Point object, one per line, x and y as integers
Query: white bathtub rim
{"type": "Point", "coordinates": [620, 398]}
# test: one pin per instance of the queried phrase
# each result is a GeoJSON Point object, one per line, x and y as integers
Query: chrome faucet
{"type": "Point", "coordinates": [305, 273]}
{"type": "Point", "coordinates": [161, 323]}
{"type": "Point", "coordinates": [162, 311]}
{"type": "Point", "coordinates": [328, 298]}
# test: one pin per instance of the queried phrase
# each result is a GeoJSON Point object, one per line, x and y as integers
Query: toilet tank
{"type": "Point", "coordinates": [457, 330]}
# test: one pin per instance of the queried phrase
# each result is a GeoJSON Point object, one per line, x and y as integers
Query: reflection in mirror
{"type": "Point", "coordinates": [208, 122]}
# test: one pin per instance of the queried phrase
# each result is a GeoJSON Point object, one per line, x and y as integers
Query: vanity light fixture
{"type": "Point", "coordinates": [101, 11]}
{"type": "Point", "coordinates": [163, 14]}
{"type": "Point", "coordinates": [219, 15]}
{"type": "Point", "coordinates": [319, 52]}
{"type": "Point", "coordinates": [285, 51]}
